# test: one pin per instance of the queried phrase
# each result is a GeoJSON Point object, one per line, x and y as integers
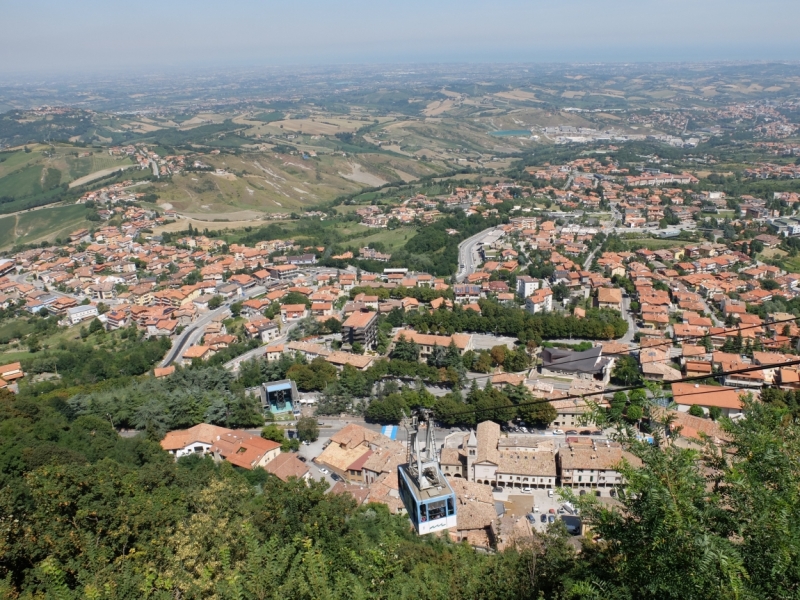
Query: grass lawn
{"type": "Point", "coordinates": [51, 341]}
{"type": "Point", "coordinates": [50, 223]}
{"type": "Point", "coordinates": [80, 167]}
{"type": "Point", "coordinates": [15, 328]}
{"type": "Point", "coordinates": [656, 244]}
{"type": "Point", "coordinates": [392, 239]}
{"type": "Point", "coordinates": [7, 230]}
{"type": "Point", "coordinates": [793, 264]}
{"type": "Point", "coordinates": [22, 182]}
{"type": "Point", "coordinates": [17, 160]}
{"type": "Point", "coordinates": [774, 253]}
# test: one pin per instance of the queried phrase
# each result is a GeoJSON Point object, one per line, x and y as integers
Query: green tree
{"type": "Point", "coordinates": [634, 413]}
{"type": "Point", "coordinates": [290, 445]}
{"type": "Point", "coordinates": [405, 350]}
{"type": "Point", "coordinates": [95, 326]}
{"type": "Point", "coordinates": [539, 414]}
{"type": "Point", "coordinates": [307, 429]}
{"type": "Point", "coordinates": [696, 411]}
{"type": "Point", "coordinates": [626, 371]}
{"type": "Point", "coordinates": [274, 433]}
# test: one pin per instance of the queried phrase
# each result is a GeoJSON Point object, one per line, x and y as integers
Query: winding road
{"type": "Point", "coordinates": [468, 258]}
{"type": "Point", "coordinates": [195, 331]}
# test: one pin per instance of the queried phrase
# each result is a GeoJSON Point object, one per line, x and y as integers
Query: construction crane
{"type": "Point", "coordinates": [426, 493]}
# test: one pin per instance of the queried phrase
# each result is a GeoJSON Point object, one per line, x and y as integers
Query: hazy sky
{"type": "Point", "coordinates": [85, 35]}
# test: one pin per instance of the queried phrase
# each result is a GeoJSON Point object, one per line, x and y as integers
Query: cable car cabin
{"type": "Point", "coordinates": [431, 509]}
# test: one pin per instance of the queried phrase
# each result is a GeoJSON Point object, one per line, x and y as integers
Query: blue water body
{"type": "Point", "coordinates": [511, 132]}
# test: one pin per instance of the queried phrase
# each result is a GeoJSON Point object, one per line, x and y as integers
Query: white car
{"type": "Point", "coordinates": [323, 470]}
{"type": "Point", "coordinates": [558, 432]}
{"type": "Point", "coordinates": [526, 490]}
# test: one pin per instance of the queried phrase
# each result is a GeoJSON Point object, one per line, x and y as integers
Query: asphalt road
{"type": "Point", "coordinates": [234, 363]}
{"type": "Point", "coordinates": [468, 253]}
{"type": "Point", "coordinates": [195, 331]}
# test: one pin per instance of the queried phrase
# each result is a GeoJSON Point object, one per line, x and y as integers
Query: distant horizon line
{"type": "Point", "coordinates": [189, 68]}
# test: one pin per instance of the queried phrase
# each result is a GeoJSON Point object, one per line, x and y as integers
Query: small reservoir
{"type": "Point", "coordinates": [512, 132]}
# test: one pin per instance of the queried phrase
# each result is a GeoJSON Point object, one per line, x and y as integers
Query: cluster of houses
{"type": "Point", "coordinates": [149, 159]}
{"type": "Point", "coordinates": [487, 457]}
{"type": "Point", "coordinates": [238, 447]}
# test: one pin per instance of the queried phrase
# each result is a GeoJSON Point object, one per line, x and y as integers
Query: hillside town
{"type": "Point", "coordinates": [682, 310]}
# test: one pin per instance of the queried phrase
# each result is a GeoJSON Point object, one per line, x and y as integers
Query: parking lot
{"type": "Point", "coordinates": [537, 501]}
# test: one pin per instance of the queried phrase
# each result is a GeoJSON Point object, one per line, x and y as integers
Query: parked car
{"type": "Point", "coordinates": [303, 458]}
{"type": "Point", "coordinates": [597, 432]}
{"type": "Point", "coordinates": [335, 477]}
{"type": "Point", "coordinates": [531, 517]}
{"type": "Point", "coordinates": [323, 470]}
{"type": "Point", "coordinates": [572, 432]}
{"type": "Point", "coordinates": [544, 518]}
{"type": "Point", "coordinates": [497, 490]}
{"type": "Point", "coordinates": [586, 432]}
{"type": "Point", "coordinates": [551, 518]}
{"type": "Point", "coordinates": [526, 490]}
{"type": "Point", "coordinates": [549, 493]}
{"type": "Point", "coordinates": [558, 432]}
{"type": "Point", "coordinates": [524, 429]}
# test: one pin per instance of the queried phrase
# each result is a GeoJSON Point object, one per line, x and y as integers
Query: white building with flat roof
{"type": "Point", "coordinates": [77, 314]}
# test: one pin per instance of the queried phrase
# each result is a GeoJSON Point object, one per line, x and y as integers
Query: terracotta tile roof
{"type": "Point", "coordinates": [540, 464]}
{"type": "Point", "coordinates": [346, 358]}
{"type": "Point", "coordinates": [452, 456]}
{"type": "Point", "coordinates": [243, 449]}
{"type": "Point", "coordinates": [359, 493]}
{"type": "Point", "coordinates": [598, 458]}
{"type": "Point", "coordinates": [360, 319]}
{"type": "Point", "coordinates": [487, 434]}
{"type": "Point", "coordinates": [692, 427]}
{"type": "Point", "coordinates": [705, 395]}
{"type": "Point", "coordinates": [286, 465]}
{"type": "Point", "coordinates": [461, 340]}
{"type": "Point", "coordinates": [358, 464]}
{"type": "Point", "coordinates": [196, 352]}
{"type": "Point", "coordinates": [163, 371]}
{"type": "Point", "coordinates": [609, 295]}
{"type": "Point", "coordinates": [204, 432]}
{"type": "Point", "coordinates": [508, 378]}
{"type": "Point", "coordinates": [475, 504]}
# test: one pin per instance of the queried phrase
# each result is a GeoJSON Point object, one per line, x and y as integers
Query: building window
{"type": "Point", "coordinates": [580, 478]}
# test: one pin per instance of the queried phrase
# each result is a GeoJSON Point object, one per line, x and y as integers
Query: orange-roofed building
{"type": "Point", "coordinates": [197, 353]}
{"type": "Point", "coordinates": [293, 312]}
{"type": "Point", "coordinates": [287, 465]}
{"type": "Point", "coordinates": [160, 372]}
{"type": "Point", "coordinates": [706, 396]}
{"type": "Point", "coordinates": [245, 450]}
{"type": "Point", "coordinates": [361, 327]}
{"type": "Point", "coordinates": [195, 440]}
